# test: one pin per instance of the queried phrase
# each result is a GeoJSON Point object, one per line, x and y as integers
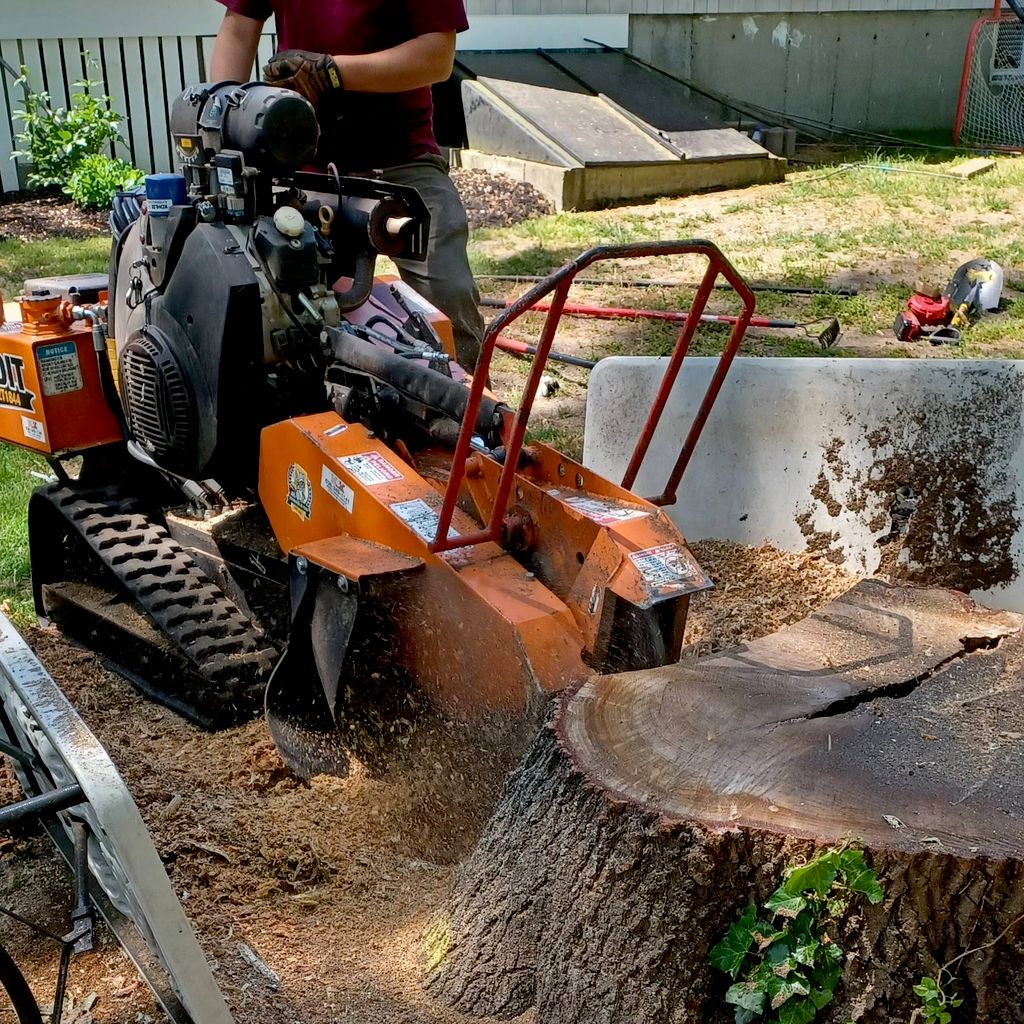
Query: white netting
{"type": "Point", "coordinates": [992, 104]}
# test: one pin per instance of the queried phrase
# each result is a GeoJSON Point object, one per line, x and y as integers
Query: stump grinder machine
{"type": "Point", "coordinates": [275, 485]}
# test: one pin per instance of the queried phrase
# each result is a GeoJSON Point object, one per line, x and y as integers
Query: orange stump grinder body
{"type": "Point", "coordinates": [298, 496]}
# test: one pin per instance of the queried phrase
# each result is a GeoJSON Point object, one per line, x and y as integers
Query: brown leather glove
{"type": "Point", "coordinates": [313, 75]}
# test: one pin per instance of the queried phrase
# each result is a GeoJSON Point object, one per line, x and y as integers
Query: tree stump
{"type": "Point", "coordinates": [656, 805]}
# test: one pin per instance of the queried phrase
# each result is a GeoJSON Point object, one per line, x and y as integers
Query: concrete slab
{"type": "Point", "coordinates": [909, 466]}
{"type": "Point", "coordinates": [588, 188]}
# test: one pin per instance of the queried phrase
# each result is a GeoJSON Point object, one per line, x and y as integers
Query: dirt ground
{"type": "Point", "coordinates": [491, 200]}
{"type": "Point", "coordinates": [332, 882]}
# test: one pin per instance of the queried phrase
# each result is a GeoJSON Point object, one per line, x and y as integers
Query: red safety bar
{"type": "Point", "coordinates": [559, 283]}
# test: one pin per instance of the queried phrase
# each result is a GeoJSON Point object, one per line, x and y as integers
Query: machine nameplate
{"type": "Point", "coordinates": [370, 469]}
{"type": "Point", "coordinates": [667, 568]}
{"type": "Point", "coordinates": [59, 369]}
{"type": "Point", "coordinates": [33, 429]}
{"type": "Point", "coordinates": [337, 489]}
{"type": "Point", "coordinates": [420, 517]}
{"type": "Point", "coordinates": [604, 512]}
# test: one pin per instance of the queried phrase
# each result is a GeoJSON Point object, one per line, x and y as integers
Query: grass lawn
{"type": "Point", "coordinates": [878, 228]}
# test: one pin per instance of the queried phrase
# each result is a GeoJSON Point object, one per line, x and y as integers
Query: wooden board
{"type": "Point", "coordinates": [972, 168]}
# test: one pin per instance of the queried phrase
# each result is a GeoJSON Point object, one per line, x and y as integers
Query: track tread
{"type": "Point", "coordinates": [228, 653]}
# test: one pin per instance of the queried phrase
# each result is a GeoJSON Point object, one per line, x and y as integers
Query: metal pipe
{"type": "Point", "coordinates": [38, 806]}
{"type": "Point", "coordinates": [642, 282]}
{"type": "Point", "coordinates": [19, 755]}
{"type": "Point", "coordinates": [520, 348]}
{"type": "Point", "coordinates": [622, 313]}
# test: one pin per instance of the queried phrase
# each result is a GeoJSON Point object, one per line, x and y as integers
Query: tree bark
{"type": "Point", "coordinates": [656, 805]}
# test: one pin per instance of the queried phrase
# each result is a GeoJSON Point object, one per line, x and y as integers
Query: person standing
{"type": "Point", "coordinates": [367, 67]}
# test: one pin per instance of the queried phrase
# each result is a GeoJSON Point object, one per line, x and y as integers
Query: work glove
{"type": "Point", "coordinates": [313, 75]}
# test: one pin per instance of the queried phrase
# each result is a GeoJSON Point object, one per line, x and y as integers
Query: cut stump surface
{"type": "Point", "coordinates": [661, 803]}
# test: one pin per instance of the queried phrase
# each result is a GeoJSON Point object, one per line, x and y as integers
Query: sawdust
{"type": "Point", "coordinates": [757, 591]}
{"type": "Point", "coordinates": [332, 883]}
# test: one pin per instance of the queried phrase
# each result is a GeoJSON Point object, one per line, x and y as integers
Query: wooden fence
{"type": "Point", "coordinates": [142, 52]}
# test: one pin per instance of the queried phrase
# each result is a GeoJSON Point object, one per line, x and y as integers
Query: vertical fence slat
{"type": "Point", "coordinates": [10, 98]}
{"type": "Point", "coordinates": [173, 86]}
{"type": "Point", "coordinates": [32, 59]}
{"type": "Point", "coordinates": [263, 54]}
{"type": "Point", "coordinates": [138, 114]}
{"type": "Point", "coordinates": [206, 43]}
{"type": "Point", "coordinates": [190, 60]}
{"type": "Point", "coordinates": [110, 49]}
{"type": "Point", "coordinates": [156, 101]}
{"type": "Point", "coordinates": [57, 83]}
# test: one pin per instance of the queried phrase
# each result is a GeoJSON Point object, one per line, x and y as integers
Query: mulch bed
{"type": "Point", "coordinates": [496, 200]}
{"type": "Point", "coordinates": [32, 220]}
{"type": "Point", "coordinates": [491, 200]}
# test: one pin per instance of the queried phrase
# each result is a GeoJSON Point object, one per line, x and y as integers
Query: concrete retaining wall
{"type": "Point", "coordinates": [877, 70]}
{"type": "Point", "coordinates": [914, 467]}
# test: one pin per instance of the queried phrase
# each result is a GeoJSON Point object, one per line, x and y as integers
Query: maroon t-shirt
{"type": "Point", "coordinates": [377, 129]}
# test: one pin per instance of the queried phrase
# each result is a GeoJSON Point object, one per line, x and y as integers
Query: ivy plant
{"type": "Point", "coordinates": [784, 960]}
{"type": "Point", "coordinates": [936, 1002]}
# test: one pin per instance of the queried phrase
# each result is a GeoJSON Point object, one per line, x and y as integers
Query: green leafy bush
{"type": "Point", "coordinates": [786, 964]}
{"type": "Point", "coordinates": [57, 140]}
{"type": "Point", "coordinates": [96, 178]}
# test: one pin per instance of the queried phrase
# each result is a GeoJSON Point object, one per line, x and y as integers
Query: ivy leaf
{"type": "Point", "coordinates": [832, 952]}
{"type": "Point", "coordinates": [797, 1011]}
{"type": "Point", "coordinates": [806, 953]}
{"type": "Point", "coordinates": [746, 1016]}
{"type": "Point", "coordinates": [816, 877]}
{"type": "Point", "coordinates": [926, 988]}
{"type": "Point", "coordinates": [784, 904]}
{"type": "Point", "coordinates": [781, 990]}
{"type": "Point", "coordinates": [747, 996]}
{"type": "Point", "coordinates": [778, 953]}
{"type": "Point", "coordinates": [859, 877]}
{"type": "Point", "coordinates": [821, 997]}
{"type": "Point", "coordinates": [764, 934]}
{"type": "Point", "coordinates": [729, 954]}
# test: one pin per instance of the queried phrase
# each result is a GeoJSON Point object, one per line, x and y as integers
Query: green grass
{"type": "Point", "coordinates": [21, 260]}
{"type": "Point", "coordinates": [18, 261]}
{"type": "Point", "coordinates": [874, 226]}
{"type": "Point", "coordinates": [16, 484]}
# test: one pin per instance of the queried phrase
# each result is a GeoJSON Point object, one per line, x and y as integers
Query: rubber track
{"type": "Point", "coordinates": [224, 647]}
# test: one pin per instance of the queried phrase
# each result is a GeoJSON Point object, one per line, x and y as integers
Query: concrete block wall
{"type": "Point", "coordinates": [856, 63]}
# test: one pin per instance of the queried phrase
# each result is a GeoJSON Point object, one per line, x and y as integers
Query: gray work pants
{"type": "Point", "coordinates": [445, 279]}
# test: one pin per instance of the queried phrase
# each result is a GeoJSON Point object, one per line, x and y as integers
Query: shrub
{"type": "Point", "coordinates": [96, 178]}
{"type": "Point", "coordinates": [57, 140]}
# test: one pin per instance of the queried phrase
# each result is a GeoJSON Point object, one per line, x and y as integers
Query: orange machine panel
{"type": "Point", "coordinates": [51, 399]}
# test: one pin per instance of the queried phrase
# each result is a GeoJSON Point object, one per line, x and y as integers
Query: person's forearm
{"type": "Point", "coordinates": [234, 50]}
{"type": "Point", "coordinates": [411, 65]}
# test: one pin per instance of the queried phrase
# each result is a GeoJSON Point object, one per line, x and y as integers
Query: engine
{"type": "Point", "coordinates": [226, 280]}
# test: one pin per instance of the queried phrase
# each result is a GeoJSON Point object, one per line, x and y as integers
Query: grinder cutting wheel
{"type": "Point", "coordinates": [293, 490]}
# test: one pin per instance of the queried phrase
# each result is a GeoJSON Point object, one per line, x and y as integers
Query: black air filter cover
{"type": "Point", "coordinates": [159, 401]}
